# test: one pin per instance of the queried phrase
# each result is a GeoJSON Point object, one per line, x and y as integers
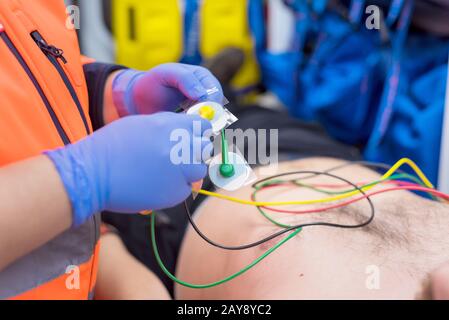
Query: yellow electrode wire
{"type": "Point", "coordinates": [387, 175]}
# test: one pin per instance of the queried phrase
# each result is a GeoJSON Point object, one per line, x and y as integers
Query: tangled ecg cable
{"type": "Point", "coordinates": [385, 177]}
{"type": "Point", "coordinates": [422, 184]}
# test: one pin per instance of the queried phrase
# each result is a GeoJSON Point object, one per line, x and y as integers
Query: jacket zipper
{"type": "Point", "coordinates": [54, 54]}
{"type": "Point", "coordinates": [4, 36]}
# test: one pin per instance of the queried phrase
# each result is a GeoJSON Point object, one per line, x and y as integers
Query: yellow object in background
{"type": "Point", "coordinates": [151, 32]}
{"type": "Point", "coordinates": [225, 23]}
{"type": "Point", "coordinates": [148, 32]}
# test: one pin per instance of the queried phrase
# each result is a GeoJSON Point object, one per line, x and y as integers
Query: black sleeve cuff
{"type": "Point", "coordinates": [96, 77]}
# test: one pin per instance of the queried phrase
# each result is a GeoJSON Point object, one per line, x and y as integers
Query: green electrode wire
{"type": "Point", "coordinates": [227, 170]}
{"type": "Point", "coordinates": [214, 284]}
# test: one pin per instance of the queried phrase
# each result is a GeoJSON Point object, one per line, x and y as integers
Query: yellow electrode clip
{"type": "Point", "coordinates": [207, 112]}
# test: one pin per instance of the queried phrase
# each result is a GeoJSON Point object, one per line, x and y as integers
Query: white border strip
{"type": "Point", "coordinates": [444, 159]}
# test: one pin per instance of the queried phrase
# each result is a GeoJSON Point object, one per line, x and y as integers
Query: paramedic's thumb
{"type": "Point", "coordinates": [128, 167]}
{"type": "Point", "coordinates": [163, 88]}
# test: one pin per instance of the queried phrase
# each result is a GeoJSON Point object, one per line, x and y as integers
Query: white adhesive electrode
{"type": "Point", "coordinates": [243, 172]}
{"type": "Point", "coordinates": [219, 116]}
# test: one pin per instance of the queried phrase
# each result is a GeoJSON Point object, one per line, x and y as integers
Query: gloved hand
{"type": "Point", "coordinates": [130, 165]}
{"type": "Point", "coordinates": [163, 88]}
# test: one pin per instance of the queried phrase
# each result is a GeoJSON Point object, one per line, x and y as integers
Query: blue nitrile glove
{"type": "Point", "coordinates": [163, 88]}
{"type": "Point", "coordinates": [129, 165]}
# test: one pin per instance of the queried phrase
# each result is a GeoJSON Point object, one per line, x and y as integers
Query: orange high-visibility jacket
{"type": "Point", "coordinates": [44, 105]}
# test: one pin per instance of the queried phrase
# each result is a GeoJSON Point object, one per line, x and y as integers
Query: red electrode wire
{"type": "Point", "coordinates": [406, 187]}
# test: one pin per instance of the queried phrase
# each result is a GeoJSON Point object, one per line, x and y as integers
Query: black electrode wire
{"type": "Point", "coordinates": [293, 228]}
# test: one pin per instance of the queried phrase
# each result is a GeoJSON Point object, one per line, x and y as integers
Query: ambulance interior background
{"type": "Point", "coordinates": [288, 65]}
